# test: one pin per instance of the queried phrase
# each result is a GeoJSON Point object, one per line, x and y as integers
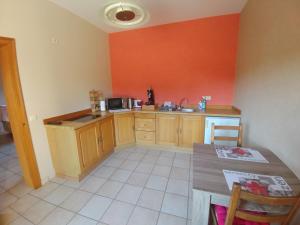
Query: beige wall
{"type": "Point", "coordinates": [55, 77]}
{"type": "Point", "coordinates": [268, 77]}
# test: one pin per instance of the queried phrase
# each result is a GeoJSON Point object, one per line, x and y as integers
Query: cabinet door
{"type": "Point", "coordinates": [191, 130]}
{"type": "Point", "coordinates": [167, 129]}
{"type": "Point", "coordinates": [124, 129]}
{"type": "Point", "coordinates": [106, 128]}
{"type": "Point", "coordinates": [88, 145]}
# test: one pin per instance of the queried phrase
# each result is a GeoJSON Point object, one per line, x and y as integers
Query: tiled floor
{"type": "Point", "coordinates": [135, 186]}
{"type": "Point", "coordinates": [10, 171]}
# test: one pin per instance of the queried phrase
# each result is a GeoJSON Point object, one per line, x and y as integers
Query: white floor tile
{"type": "Point", "coordinates": [110, 189]}
{"type": "Point", "coordinates": [92, 184]}
{"type": "Point", "coordinates": [129, 165]}
{"type": "Point", "coordinates": [136, 156]}
{"type": "Point", "coordinates": [129, 194]}
{"type": "Point", "coordinates": [145, 168]}
{"type": "Point", "coordinates": [24, 203]}
{"type": "Point", "coordinates": [154, 152]}
{"type": "Point", "coordinates": [21, 221]}
{"type": "Point", "coordinates": [76, 200]}
{"type": "Point", "coordinates": [81, 220]}
{"type": "Point", "coordinates": [58, 180]}
{"type": "Point", "coordinates": [58, 216]}
{"type": "Point", "coordinates": [20, 189]}
{"type": "Point", "coordinates": [163, 171]}
{"type": "Point", "coordinates": [179, 187]}
{"type": "Point", "coordinates": [6, 200]}
{"type": "Point", "coordinates": [168, 154]}
{"type": "Point", "coordinates": [7, 216]}
{"type": "Point", "coordinates": [45, 190]}
{"type": "Point", "coordinates": [11, 181]}
{"type": "Point", "coordinates": [180, 173]}
{"type": "Point", "coordinates": [114, 162]}
{"type": "Point", "coordinates": [181, 163]}
{"type": "Point", "coordinates": [142, 216]}
{"type": "Point", "coordinates": [157, 183]}
{"type": "Point", "coordinates": [120, 175]}
{"type": "Point", "coordinates": [150, 159]}
{"type": "Point", "coordinates": [96, 207]}
{"type": "Point", "coordinates": [118, 213]}
{"type": "Point", "coordinates": [38, 212]}
{"type": "Point", "coordinates": [175, 205]}
{"type": "Point", "coordinates": [151, 199]}
{"type": "Point", "coordinates": [138, 179]}
{"type": "Point", "coordinates": [59, 195]}
{"type": "Point", "coordinates": [183, 156]}
{"type": "Point", "coordinates": [104, 171]}
{"type": "Point", "coordinates": [165, 161]}
{"type": "Point", "coordinates": [165, 219]}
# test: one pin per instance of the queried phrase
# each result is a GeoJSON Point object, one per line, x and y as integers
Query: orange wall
{"type": "Point", "coordinates": [187, 59]}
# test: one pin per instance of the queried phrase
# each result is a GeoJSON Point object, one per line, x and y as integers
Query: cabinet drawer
{"type": "Point", "coordinates": [145, 124]}
{"type": "Point", "coordinates": [144, 115]}
{"type": "Point", "coordinates": [145, 137]}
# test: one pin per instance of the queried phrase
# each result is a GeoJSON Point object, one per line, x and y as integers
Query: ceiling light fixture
{"type": "Point", "coordinates": [125, 14]}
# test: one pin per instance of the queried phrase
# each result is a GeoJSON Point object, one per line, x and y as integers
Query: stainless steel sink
{"type": "Point", "coordinates": [187, 110]}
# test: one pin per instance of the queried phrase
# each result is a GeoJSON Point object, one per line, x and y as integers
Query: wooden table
{"type": "Point", "coordinates": [209, 184]}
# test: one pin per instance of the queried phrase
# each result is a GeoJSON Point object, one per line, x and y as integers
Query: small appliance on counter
{"type": "Point", "coordinates": [150, 95]}
{"type": "Point", "coordinates": [130, 103]}
{"type": "Point", "coordinates": [137, 103]}
{"type": "Point", "coordinates": [115, 103]}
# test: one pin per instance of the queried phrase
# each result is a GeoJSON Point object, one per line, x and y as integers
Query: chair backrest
{"type": "Point", "coordinates": [238, 194]}
{"type": "Point", "coordinates": [238, 138]}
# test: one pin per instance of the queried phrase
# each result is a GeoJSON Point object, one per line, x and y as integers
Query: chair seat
{"type": "Point", "coordinates": [221, 213]}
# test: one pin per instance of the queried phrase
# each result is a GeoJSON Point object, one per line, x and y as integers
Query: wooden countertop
{"type": "Point", "coordinates": [63, 120]}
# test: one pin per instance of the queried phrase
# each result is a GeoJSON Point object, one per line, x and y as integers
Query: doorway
{"type": "Point", "coordinates": [15, 108]}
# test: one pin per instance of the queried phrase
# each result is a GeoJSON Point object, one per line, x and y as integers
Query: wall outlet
{"type": "Point", "coordinates": [207, 98]}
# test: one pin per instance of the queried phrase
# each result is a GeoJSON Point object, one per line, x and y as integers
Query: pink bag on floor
{"type": "Point", "coordinates": [221, 213]}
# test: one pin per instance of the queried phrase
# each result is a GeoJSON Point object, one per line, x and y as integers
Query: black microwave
{"type": "Point", "coordinates": [115, 103]}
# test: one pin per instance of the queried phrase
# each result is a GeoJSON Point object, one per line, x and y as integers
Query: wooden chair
{"type": "Point", "coordinates": [214, 138]}
{"type": "Point", "coordinates": [238, 195]}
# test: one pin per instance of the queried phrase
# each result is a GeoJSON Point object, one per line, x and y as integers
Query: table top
{"type": "Point", "coordinates": [208, 169]}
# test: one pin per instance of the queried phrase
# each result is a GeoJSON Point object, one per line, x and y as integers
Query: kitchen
{"type": "Point", "coordinates": [225, 57]}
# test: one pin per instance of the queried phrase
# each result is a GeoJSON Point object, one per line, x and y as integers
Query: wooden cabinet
{"type": "Point", "coordinates": [191, 130]}
{"type": "Point", "coordinates": [89, 146]}
{"type": "Point", "coordinates": [179, 130]}
{"type": "Point", "coordinates": [167, 129]}
{"type": "Point", "coordinates": [124, 129]}
{"type": "Point", "coordinates": [106, 129]}
{"type": "Point", "coordinates": [145, 128]}
{"type": "Point", "coordinates": [77, 150]}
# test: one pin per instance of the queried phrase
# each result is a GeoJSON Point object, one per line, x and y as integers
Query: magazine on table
{"type": "Point", "coordinates": [238, 153]}
{"type": "Point", "coordinates": [259, 184]}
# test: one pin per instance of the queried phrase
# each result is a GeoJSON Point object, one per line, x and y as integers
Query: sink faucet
{"type": "Point", "coordinates": [182, 101]}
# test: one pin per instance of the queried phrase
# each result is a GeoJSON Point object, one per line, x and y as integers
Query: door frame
{"type": "Point", "coordinates": [16, 110]}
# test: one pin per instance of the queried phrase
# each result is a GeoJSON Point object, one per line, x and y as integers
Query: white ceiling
{"type": "Point", "coordinates": [160, 11]}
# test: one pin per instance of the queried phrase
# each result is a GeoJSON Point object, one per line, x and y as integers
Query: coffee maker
{"type": "Point", "coordinates": [150, 95]}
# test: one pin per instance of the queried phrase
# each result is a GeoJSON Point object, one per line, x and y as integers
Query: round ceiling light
{"type": "Point", "coordinates": [124, 14]}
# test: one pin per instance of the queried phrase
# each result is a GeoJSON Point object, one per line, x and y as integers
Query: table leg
{"type": "Point", "coordinates": [201, 206]}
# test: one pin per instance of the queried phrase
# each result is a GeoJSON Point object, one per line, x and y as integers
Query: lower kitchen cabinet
{"type": "Point", "coordinates": [191, 130]}
{"type": "Point", "coordinates": [89, 147]}
{"type": "Point", "coordinates": [124, 129]}
{"type": "Point", "coordinates": [106, 129]}
{"type": "Point", "coordinates": [75, 151]}
{"type": "Point", "coordinates": [167, 129]}
{"type": "Point", "coordinates": [179, 130]}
